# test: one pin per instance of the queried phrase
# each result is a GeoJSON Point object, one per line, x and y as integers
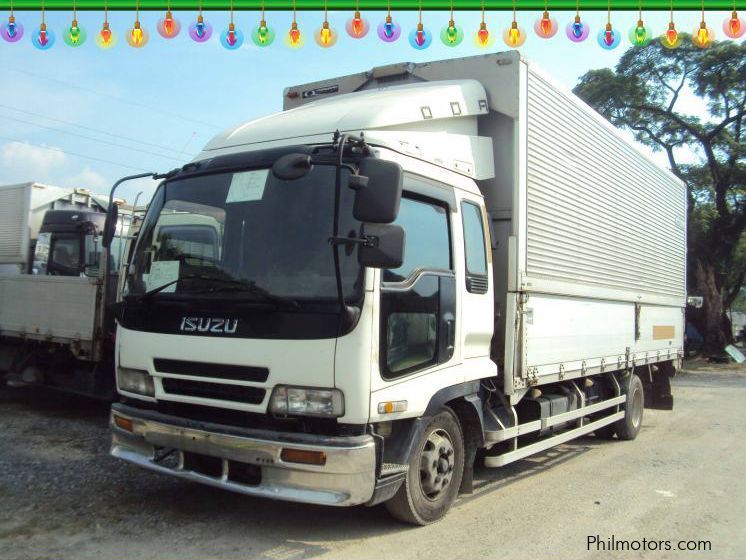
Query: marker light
{"type": "Point", "coordinates": [420, 38]}
{"type": "Point", "coordinates": [357, 26]}
{"type": "Point", "coordinates": [200, 31]}
{"type": "Point", "coordinates": [388, 30]}
{"type": "Point", "coordinates": [262, 35]}
{"type": "Point", "coordinates": [703, 36]}
{"type": "Point", "coordinates": [325, 36]}
{"type": "Point", "coordinates": [670, 39]}
{"type": "Point", "coordinates": [168, 27]}
{"type": "Point", "coordinates": [389, 407]}
{"type": "Point", "coordinates": [106, 38]}
{"type": "Point", "coordinates": [43, 38]}
{"type": "Point", "coordinates": [638, 35]}
{"type": "Point", "coordinates": [304, 456]}
{"type": "Point", "coordinates": [734, 27]}
{"type": "Point", "coordinates": [577, 31]}
{"type": "Point", "coordinates": [608, 38]}
{"type": "Point", "coordinates": [12, 31]}
{"type": "Point", "coordinates": [546, 26]}
{"type": "Point", "coordinates": [75, 35]}
{"type": "Point", "coordinates": [232, 37]}
{"type": "Point", "coordinates": [451, 35]}
{"type": "Point", "coordinates": [514, 36]}
{"type": "Point", "coordinates": [137, 37]}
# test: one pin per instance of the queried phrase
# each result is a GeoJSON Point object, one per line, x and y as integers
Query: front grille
{"type": "Point", "coordinates": [206, 369]}
{"type": "Point", "coordinates": [218, 391]}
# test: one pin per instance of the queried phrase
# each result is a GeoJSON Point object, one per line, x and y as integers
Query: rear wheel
{"type": "Point", "coordinates": [435, 472]}
{"type": "Point", "coordinates": [628, 427]}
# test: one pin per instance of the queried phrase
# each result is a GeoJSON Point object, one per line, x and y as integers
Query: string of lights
{"type": "Point", "coordinates": [420, 37]}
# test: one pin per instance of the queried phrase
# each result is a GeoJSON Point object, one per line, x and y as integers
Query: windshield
{"type": "Point", "coordinates": [228, 234]}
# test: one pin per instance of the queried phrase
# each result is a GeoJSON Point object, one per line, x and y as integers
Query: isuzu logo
{"type": "Point", "coordinates": [208, 325]}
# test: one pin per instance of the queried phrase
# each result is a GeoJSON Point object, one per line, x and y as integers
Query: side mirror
{"type": "Point", "coordinates": [110, 226]}
{"type": "Point", "coordinates": [292, 166]}
{"type": "Point", "coordinates": [384, 247]}
{"type": "Point", "coordinates": [378, 201]}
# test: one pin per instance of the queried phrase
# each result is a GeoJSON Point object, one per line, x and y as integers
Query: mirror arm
{"type": "Point", "coordinates": [365, 241]}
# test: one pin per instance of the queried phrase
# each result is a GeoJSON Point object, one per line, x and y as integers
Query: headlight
{"type": "Point", "coordinates": [135, 381]}
{"type": "Point", "coordinates": [307, 402]}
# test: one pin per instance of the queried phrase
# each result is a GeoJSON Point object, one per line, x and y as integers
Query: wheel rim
{"type": "Point", "coordinates": [437, 461]}
{"type": "Point", "coordinates": [636, 411]}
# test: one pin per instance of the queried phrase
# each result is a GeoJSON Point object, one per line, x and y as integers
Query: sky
{"type": "Point", "coordinates": [83, 117]}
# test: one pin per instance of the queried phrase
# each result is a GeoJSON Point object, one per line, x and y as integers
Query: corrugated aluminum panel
{"type": "Point", "coordinates": [14, 201]}
{"type": "Point", "coordinates": [599, 215]}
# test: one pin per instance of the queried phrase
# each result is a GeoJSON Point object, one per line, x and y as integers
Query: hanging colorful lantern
{"type": "Point", "coordinates": [734, 26]}
{"type": "Point", "coordinates": [639, 36]}
{"type": "Point", "coordinates": [483, 38]}
{"type": "Point", "coordinates": [357, 26]}
{"type": "Point", "coordinates": [671, 39]}
{"type": "Point", "coordinates": [325, 36]}
{"type": "Point", "coordinates": [451, 35]}
{"type": "Point", "coordinates": [608, 37]}
{"type": "Point", "coordinates": [262, 35]}
{"type": "Point", "coordinates": [106, 38]}
{"type": "Point", "coordinates": [577, 31]}
{"type": "Point", "coordinates": [168, 27]}
{"type": "Point", "coordinates": [11, 31]}
{"type": "Point", "coordinates": [514, 36]}
{"type": "Point", "coordinates": [43, 38]}
{"type": "Point", "coordinates": [137, 37]}
{"type": "Point", "coordinates": [74, 35]}
{"type": "Point", "coordinates": [420, 38]}
{"type": "Point", "coordinates": [231, 37]}
{"type": "Point", "coordinates": [546, 26]}
{"type": "Point", "coordinates": [388, 30]}
{"type": "Point", "coordinates": [295, 39]}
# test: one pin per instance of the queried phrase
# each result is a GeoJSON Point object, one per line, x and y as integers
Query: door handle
{"type": "Point", "coordinates": [450, 336]}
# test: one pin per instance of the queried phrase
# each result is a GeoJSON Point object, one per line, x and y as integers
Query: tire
{"type": "Point", "coordinates": [607, 432]}
{"type": "Point", "coordinates": [435, 472]}
{"type": "Point", "coordinates": [628, 427]}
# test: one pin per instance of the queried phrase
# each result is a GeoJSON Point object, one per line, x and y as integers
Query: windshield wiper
{"type": "Point", "coordinates": [247, 286]}
{"type": "Point", "coordinates": [148, 294]}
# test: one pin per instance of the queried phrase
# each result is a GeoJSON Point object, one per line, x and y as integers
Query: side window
{"type": "Point", "coordinates": [474, 248]}
{"type": "Point", "coordinates": [427, 241]}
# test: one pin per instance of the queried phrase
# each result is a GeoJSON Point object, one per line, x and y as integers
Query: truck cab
{"type": "Point", "coordinates": [69, 243]}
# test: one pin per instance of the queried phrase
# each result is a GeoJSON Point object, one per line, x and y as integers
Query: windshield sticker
{"type": "Point", "coordinates": [162, 272]}
{"type": "Point", "coordinates": [247, 186]}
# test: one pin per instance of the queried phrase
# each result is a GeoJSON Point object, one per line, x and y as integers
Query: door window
{"type": "Point", "coordinates": [427, 242]}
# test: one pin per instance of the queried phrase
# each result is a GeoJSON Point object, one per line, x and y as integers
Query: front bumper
{"type": "Point", "coordinates": [166, 443]}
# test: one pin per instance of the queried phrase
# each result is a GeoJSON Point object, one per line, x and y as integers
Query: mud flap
{"type": "Point", "coordinates": [657, 386]}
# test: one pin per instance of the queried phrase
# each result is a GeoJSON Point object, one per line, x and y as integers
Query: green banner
{"type": "Point", "coordinates": [365, 5]}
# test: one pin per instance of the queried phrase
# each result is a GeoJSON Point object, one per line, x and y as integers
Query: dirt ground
{"type": "Point", "coordinates": [682, 479]}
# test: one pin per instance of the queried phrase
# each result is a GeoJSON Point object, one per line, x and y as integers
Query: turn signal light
{"type": "Point", "coordinates": [303, 456]}
{"type": "Point", "coordinates": [124, 423]}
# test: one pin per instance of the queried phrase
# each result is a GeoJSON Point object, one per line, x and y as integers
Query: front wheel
{"type": "Point", "coordinates": [435, 472]}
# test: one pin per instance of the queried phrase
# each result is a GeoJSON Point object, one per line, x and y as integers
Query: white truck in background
{"type": "Point", "coordinates": [419, 267]}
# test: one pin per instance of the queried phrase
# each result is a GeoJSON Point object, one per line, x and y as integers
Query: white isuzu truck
{"type": "Point", "coordinates": [406, 272]}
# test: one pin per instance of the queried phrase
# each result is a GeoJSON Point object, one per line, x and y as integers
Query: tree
{"type": "Point", "coordinates": [650, 93]}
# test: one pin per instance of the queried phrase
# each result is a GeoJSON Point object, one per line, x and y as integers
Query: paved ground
{"type": "Point", "coordinates": [61, 496]}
